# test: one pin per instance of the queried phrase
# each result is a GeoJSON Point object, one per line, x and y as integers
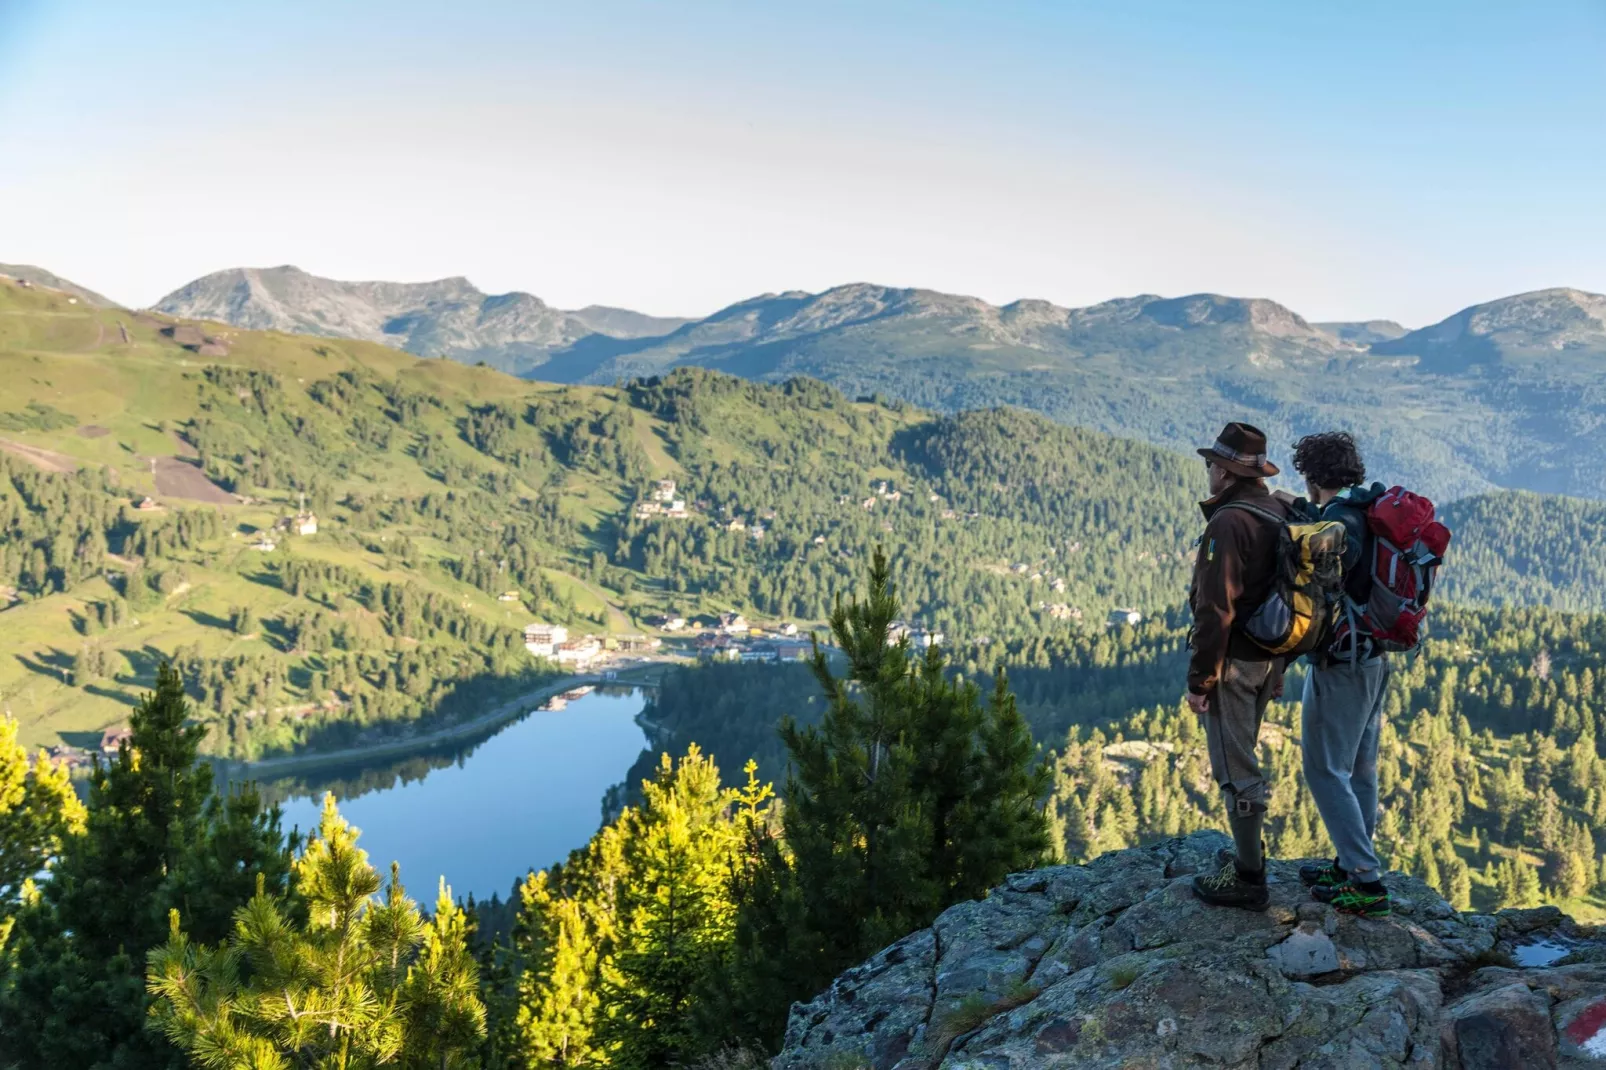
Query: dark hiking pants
{"type": "Point", "coordinates": [1232, 733]}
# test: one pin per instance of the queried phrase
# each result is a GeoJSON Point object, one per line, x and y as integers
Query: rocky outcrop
{"type": "Point", "coordinates": [1115, 964]}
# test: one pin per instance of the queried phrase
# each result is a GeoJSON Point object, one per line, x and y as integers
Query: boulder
{"type": "Point", "coordinates": [1117, 964]}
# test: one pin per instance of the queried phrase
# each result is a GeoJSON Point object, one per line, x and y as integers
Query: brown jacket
{"type": "Point", "coordinates": [1231, 577]}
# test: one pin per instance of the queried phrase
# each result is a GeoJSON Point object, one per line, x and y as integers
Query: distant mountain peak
{"type": "Point", "coordinates": [442, 317]}
{"type": "Point", "coordinates": [1540, 323]}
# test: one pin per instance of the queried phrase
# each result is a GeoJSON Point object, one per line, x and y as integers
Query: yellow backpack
{"type": "Point", "coordinates": [1308, 586]}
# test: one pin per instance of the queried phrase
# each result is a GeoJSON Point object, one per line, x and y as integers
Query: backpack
{"type": "Point", "coordinates": [1306, 589]}
{"type": "Point", "coordinates": [1407, 546]}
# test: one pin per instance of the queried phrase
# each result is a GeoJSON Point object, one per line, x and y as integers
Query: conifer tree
{"type": "Point", "coordinates": [675, 913]}
{"type": "Point", "coordinates": [559, 989]}
{"type": "Point", "coordinates": [364, 981]}
{"type": "Point", "coordinates": [910, 795]}
{"type": "Point", "coordinates": [75, 995]}
{"type": "Point", "coordinates": [38, 810]}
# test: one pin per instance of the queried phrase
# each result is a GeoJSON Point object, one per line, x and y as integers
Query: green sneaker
{"type": "Point", "coordinates": [1349, 899]}
{"type": "Point", "coordinates": [1322, 874]}
{"type": "Point", "coordinates": [1230, 888]}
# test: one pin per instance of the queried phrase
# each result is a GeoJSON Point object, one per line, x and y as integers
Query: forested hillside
{"type": "Point", "coordinates": [454, 504]}
{"type": "Point", "coordinates": [1492, 771]}
{"type": "Point", "coordinates": [1523, 549]}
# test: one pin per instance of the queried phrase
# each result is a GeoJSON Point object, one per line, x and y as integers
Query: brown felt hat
{"type": "Point", "coordinates": [1241, 450]}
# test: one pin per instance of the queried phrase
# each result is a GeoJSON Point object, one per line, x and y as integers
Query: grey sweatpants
{"type": "Point", "coordinates": [1342, 718]}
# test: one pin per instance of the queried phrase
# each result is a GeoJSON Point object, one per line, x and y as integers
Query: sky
{"type": "Point", "coordinates": [1352, 161]}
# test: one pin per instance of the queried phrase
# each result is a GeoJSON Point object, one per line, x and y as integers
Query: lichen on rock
{"type": "Point", "coordinates": [1115, 964]}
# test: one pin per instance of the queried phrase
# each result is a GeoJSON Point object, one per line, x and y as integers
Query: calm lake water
{"type": "Point", "coordinates": [484, 813]}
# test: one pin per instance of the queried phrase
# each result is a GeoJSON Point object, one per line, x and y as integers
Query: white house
{"type": "Point", "coordinates": [579, 653]}
{"type": "Point", "coordinates": [663, 490]}
{"type": "Point", "coordinates": [543, 640]}
{"type": "Point", "coordinates": [305, 524]}
{"type": "Point", "coordinates": [1125, 618]}
{"type": "Point", "coordinates": [733, 624]}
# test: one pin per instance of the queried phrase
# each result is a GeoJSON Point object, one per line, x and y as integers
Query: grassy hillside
{"type": "Point", "coordinates": [441, 489]}
{"type": "Point", "coordinates": [438, 487]}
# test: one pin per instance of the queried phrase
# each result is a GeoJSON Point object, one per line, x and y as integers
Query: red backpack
{"type": "Point", "coordinates": [1407, 547]}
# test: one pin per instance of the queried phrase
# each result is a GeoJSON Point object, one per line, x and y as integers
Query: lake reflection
{"type": "Point", "coordinates": [483, 813]}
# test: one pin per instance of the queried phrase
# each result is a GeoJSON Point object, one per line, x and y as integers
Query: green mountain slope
{"type": "Point", "coordinates": [1526, 549]}
{"type": "Point", "coordinates": [1433, 407]}
{"type": "Point", "coordinates": [439, 487]}
{"type": "Point", "coordinates": [38, 276]}
{"type": "Point", "coordinates": [1507, 394]}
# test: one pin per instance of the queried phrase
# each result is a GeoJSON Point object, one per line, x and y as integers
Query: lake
{"type": "Point", "coordinates": [483, 813]}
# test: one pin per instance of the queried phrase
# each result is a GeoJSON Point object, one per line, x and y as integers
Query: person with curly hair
{"type": "Point", "coordinates": [1342, 708]}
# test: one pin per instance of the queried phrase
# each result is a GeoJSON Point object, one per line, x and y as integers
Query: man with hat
{"type": "Point", "coordinates": [1230, 678]}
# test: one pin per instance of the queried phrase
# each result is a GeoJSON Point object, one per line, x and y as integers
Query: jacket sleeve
{"type": "Point", "coordinates": [1217, 585]}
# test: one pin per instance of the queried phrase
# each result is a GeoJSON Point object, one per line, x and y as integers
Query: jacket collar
{"type": "Point", "coordinates": [1237, 490]}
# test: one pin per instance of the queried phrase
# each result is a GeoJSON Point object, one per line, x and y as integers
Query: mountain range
{"type": "Point", "coordinates": [1503, 394]}
{"type": "Point", "coordinates": [515, 332]}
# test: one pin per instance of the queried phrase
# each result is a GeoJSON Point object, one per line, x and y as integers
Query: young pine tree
{"type": "Point", "coordinates": [674, 911]}
{"type": "Point", "coordinates": [75, 994]}
{"type": "Point", "coordinates": [362, 982]}
{"type": "Point", "coordinates": [909, 796]}
{"type": "Point", "coordinates": [38, 812]}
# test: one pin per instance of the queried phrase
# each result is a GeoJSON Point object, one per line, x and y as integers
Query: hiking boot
{"type": "Point", "coordinates": [1347, 897]}
{"type": "Point", "coordinates": [1231, 888]}
{"type": "Point", "coordinates": [1228, 856]}
{"type": "Point", "coordinates": [1322, 874]}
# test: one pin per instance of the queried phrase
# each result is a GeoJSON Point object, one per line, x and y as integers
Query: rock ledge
{"type": "Point", "coordinates": [1115, 964]}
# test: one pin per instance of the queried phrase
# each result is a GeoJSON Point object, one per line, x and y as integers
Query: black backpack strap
{"type": "Point", "coordinates": [1264, 514]}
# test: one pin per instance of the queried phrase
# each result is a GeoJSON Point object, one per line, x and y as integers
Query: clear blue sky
{"type": "Point", "coordinates": [1350, 160]}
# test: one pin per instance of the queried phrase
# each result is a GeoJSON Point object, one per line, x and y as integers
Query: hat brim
{"type": "Point", "coordinates": [1265, 472]}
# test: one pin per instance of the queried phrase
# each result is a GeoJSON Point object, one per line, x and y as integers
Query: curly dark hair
{"type": "Point", "coordinates": [1330, 460]}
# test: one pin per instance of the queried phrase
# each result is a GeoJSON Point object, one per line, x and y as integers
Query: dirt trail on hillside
{"type": "Point", "coordinates": [45, 460]}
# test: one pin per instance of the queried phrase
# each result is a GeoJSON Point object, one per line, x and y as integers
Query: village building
{"type": "Point", "coordinates": [793, 650]}
{"type": "Point", "coordinates": [735, 523]}
{"type": "Point", "coordinates": [113, 738]}
{"type": "Point", "coordinates": [304, 524]}
{"type": "Point", "coordinates": [712, 646]}
{"type": "Point", "coordinates": [663, 490]}
{"type": "Point", "coordinates": [1058, 585]}
{"type": "Point", "coordinates": [543, 640]}
{"type": "Point", "coordinates": [757, 532]}
{"type": "Point", "coordinates": [148, 505]}
{"type": "Point", "coordinates": [264, 544]}
{"type": "Point", "coordinates": [508, 596]}
{"type": "Point", "coordinates": [636, 644]}
{"type": "Point", "coordinates": [1125, 618]}
{"type": "Point", "coordinates": [579, 653]}
{"type": "Point", "coordinates": [786, 627]}
{"type": "Point", "coordinates": [734, 624]}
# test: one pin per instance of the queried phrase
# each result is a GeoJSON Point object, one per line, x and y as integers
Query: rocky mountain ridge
{"type": "Point", "coordinates": [1116, 964]}
{"type": "Point", "coordinates": [447, 317]}
{"type": "Point", "coordinates": [1503, 395]}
